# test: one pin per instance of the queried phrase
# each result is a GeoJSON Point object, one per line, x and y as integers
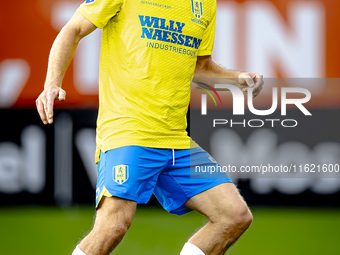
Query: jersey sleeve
{"type": "Point", "coordinates": [207, 45]}
{"type": "Point", "coordinates": [99, 12]}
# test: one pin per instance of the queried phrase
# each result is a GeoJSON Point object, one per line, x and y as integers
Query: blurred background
{"type": "Point", "coordinates": [48, 175]}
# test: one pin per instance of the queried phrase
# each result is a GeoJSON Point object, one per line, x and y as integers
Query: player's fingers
{"type": "Point", "coordinates": [62, 95]}
{"type": "Point", "coordinates": [256, 93]}
{"type": "Point", "coordinates": [259, 81]}
{"type": "Point", "coordinates": [41, 111]}
{"type": "Point", "coordinates": [258, 90]}
{"type": "Point", "coordinates": [245, 79]}
{"type": "Point", "coordinates": [258, 78]}
{"type": "Point", "coordinates": [43, 101]}
{"type": "Point", "coordinates": [259, 84]}
{"type": "Point", "coordinates": [50, 102]}
{"type": "Point", "coordinates": [248, 90]}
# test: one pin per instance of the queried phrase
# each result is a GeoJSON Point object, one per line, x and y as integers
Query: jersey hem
{"type": "Point", "coordinates": [204, 53]}
{"type": "Point", "coordinates": [188, 143]}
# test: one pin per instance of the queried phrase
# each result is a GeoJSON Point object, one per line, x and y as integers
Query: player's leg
{"type": "Point", "coordinates": [113, 218]}
{"type": "Point", "coordinates": [217, 198]}
{"type": "Point", "coordinates": [126, 176]}
{"type": "Point", "coordinates": [229, 217]}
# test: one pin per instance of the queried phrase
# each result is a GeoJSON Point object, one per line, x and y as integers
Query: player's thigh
{"type": "Point", "coordinates": [114, 214]}
{"type": "Point", "coordinates": [220, 203]}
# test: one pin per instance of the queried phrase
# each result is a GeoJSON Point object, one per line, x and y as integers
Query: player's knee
{"type": "Point", "coordinates": [119, 230]}
{"type": "Point", "coordinates": [244, 218]}
{"type": "Point", "coordinates": [239, 218]}
{"type": "Point", "coordinates": [116, 231]}
{"type": "Point", "coordinates": [113, 229]}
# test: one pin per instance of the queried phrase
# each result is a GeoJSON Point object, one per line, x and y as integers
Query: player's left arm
{"type": "Point", "coordinates": [209, 72]}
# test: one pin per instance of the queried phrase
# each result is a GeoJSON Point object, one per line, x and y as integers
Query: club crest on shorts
{"type": "Point", "coordinates": [120, 173]}
{"type": "Point", "coordinates": [197, 8]}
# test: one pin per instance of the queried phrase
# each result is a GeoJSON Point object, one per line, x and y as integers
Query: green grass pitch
{"type": "Point", "coordinates": [279, 231]}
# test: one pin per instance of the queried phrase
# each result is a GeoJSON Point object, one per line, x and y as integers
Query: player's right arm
{"type": "Point", "coordinates": [60, 57]}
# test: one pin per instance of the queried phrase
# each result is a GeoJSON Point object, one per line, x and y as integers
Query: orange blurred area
{"type": "Point", "coordinates": [279, 38]}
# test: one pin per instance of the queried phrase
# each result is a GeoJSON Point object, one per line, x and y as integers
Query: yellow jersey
{"type": "Point", "coordinates": [148, 57]}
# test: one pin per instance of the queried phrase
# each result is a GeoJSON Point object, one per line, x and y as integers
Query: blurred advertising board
{"type": "Point", "coordinates": [47, 164]}
{"type": "Point", "coordinates": [55, 164]}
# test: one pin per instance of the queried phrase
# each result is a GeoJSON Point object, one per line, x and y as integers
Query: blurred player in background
{"type": "Point", "coordinates": [150, 53]}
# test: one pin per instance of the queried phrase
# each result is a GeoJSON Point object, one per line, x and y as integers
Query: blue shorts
{"type": "Point", "coordinates": [135, 172]}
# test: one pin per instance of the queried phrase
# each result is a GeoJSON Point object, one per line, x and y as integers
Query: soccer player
{"type": "Point", "coordinates": [150, 53]}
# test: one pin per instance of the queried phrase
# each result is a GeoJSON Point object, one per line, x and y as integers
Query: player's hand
{"type": "Point", "coordinates": [253, 80]}
{"type": "Point", "coordinates": [45, 102]}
